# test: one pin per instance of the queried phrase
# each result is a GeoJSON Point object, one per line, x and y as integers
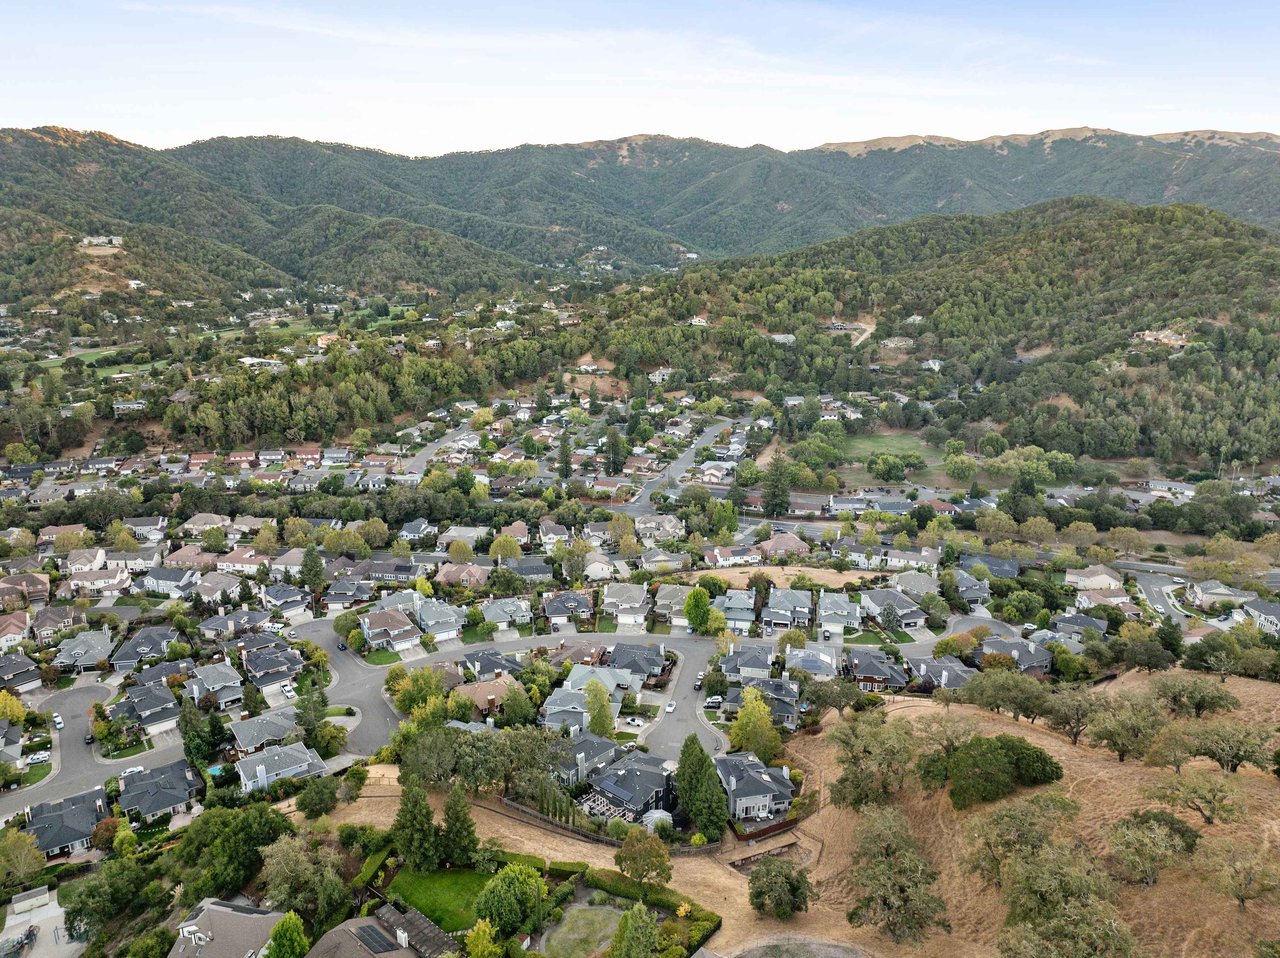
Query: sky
{"type": "Point", "coordinates": [422, 77]}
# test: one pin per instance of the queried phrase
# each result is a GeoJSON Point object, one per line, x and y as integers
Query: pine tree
{"type": "Point", "coordinates": [312, 573]}
{"type": "Point", "coordinates": [637, 934]}
{"type": "Point", "coordinates": [458, 842]}
{"type": "Point", "coordinates": [698, 790]}
{"type": "Point", "coordinates": [417, 836]}
{"type": "Point", "coordinates": [776, 498]}
{"type": "Point", "coordinates": [565, 463]}
{"type": "Point", "coordinates": [288, 939]}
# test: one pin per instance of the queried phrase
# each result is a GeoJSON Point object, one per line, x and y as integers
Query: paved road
{"type": "Point", "coordinates": [1155, 589]}
{"type": "Point", "coordinates": [427, 453]}
{"type": "Point", "coordinates": [640, 506]}
{"type": "Point", "coordinates": [666, 734]}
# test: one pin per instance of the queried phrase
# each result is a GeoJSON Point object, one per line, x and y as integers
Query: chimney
{"type": "Point", "coordinates": [402, 938]}
{"type": "Point", "coordinates": [489, 721]}
{"type": "Point", "coordinates": [581, 759]}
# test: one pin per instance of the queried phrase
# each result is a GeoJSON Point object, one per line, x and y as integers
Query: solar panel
{"type": "Point", "coordinates": [375, 940]}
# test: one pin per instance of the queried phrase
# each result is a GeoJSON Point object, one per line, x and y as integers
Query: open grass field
{"type": "Point", "coordinates": [858, 448]}
{"type": "Point", "coordinates": [446, 897]}
{"type": "Point", "coordinates": [584, 931]}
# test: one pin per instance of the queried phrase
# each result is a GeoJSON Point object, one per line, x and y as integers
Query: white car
{"type": "Point", "coordinates": [289, 693]}
{"type": "Point", "coordinates": [132, 771]}
{"type": "Point", "coordinates": [37, 758]}
{"type": "Point", "coordinates": [701, 676]}
{"type": "Point", "coordinates": [671, 706]}
{"type": "Point", "coordinates": [57, 720]}
{"type": "Point", "coordinates": [1179, 581]}
{"type": "Point", "coordinates": [634, 721]}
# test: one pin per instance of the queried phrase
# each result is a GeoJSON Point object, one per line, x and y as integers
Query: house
{"type": "Point", "coordinates": [439, 620]}
{"type": "Point", "coordinates": [1074, 625]}
{"type": "Point", "coordinates": [561, 607]}
{"type": "Point", "coordinates": [996, 568]}
{"type": "Point", "coordinates": [1094, 577]}
{"type": "Point", "coordinates": [288, 564]}
{"type": "Point", "coordinates": [467, 575]}
{"type": "Point", "coordinates": [389, 629]}
{"type": "Point", "coordinates": [652, 529]}
{"type": "Point", "coordinates": [618, 681]}
{"type": "Point", "coordinates": [628, 603]}
{"type": "Point", "coordinates": [646, 660]}
{"type": "Point", "coordinates": [660, 560]}
{"type": "Point", "coordinates": [517, 530]}
{"type": "Point", "coordinates": [14, 628]}
{"type": "Point", "coordinates": [1028, 655]}
{"type": "Point", "coordinates": [469, 535]}
{"type": "Point", "coordinates": [1204, 595]}
{"type": "Point", "coordinates": [164, 790]}
{"type": "Point", "coordinates": [739, 608]}
{"type": "Point", "coordinates": [217, 587]}
{"type": "Point", "coordinates": [782, 544]}
{"type": "Point", "coordinates": [18, 674]}
{"type": "Point", "coordinates": [64, 827]}
{"type": "Point", "coordinates": [566, 708]}
{"type": "Point", "coordinates": [487, 663]}
{"type": "Point", "coordinates": [726, 557]}
{"type": "Point", "coordinates": [1266, 615]}
{"type": "Point", "coordinates": [171, 583]}
{"type": "Point", "coordinates": [837, 613]}
{"type": "Point", "coordinates": [104, 582]}
{"type": "Point", "coordinates": [372, 936]}
{"type": "Point", "coordinates": [256, 733]}
{"type": "Point", "coordinates": [876, 602]}
{"type": "Point", "coordinates": [85, 650]}
{"type": "Point", "coordinates": [293, 604]}
{"type": "Point", "coordinates": [507, 613]}
{"type": "Point", "coordinates": [272, 664]}
{"type": "Point", "coordinates": [747, 662]}
{"type": "Point", "coordinates": [49, 534]}
{"type": "Point", "coordinates": [944, 672]}
{"type": "Point", "coordinates": [148, 529]}
{"type": "Point", "coordinates": [788, 609]}
{"type": "Point", "coordinates": [821, 663]}
{"type": "Point", "coordinates": [588, 755]}
{"type": "Point", "coordinates": [755, 791]}
{"type": "Point", "coordinates": [633, 785]}
{"type": "Point", "coordinates": [669, 602]}
{"type": "Point", "coordinates": [782, 697]}
{"type": "Point", "coordinates": [416, 530]}
{"type": "Point", "coordinates": [191, 557]}
{"type": "Point", "coordinates": [873, 670]}
{"type": "Point", "coordinates": [51, 620]}
{"type": "Point", "coordinates": [203, 522]}
{"type": "Point", "coordinates": [151, 642]}
{"type": "Point", "coordinates": [237, 620]}
{"type": "Point", "coordinates": [219, 681]}
{"type": "Point", "coordinates": [530, 568]}
{"type": "Point", "coordinates": [487, 696]}
{"type": "Point", "coordinates": [242, 561]}
{"type": "Point", "coordinates": [916, 585]}
{"type": "Point", "coordinates": [552, 534]}
{"type": "Point", "coordinates": [219, 929]}
{"type": "Point", "coordinates": [32, 586]}
{"type": "Point", "coordinates": [164, 671]}
{"type": "Point", "coordinates": [84, 560]}
{"type": "Point", "coordinates": [11, 735]}
{"type": "Point", "coordinates": [974, 591]}
{"type": "Point", "coordinates": [274, 762]}
{"type": "Point", "coordinates": [346, 593]}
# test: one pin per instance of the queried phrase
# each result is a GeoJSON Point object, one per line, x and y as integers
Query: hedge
{"type": "Point", "coordinates": [371, 866]}
{"type": "Point", "coordinates": [563, 892]}
{"type": "Point", "coordinates": [515, 858]}
{"type": "Point", "coordinates": [563, 870]}
{"type": "Point", "coordinates": [702, 923]}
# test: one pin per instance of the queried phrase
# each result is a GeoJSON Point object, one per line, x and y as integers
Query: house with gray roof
{"type": "Point", "coordinates": [1074, 624]}
{"type": "Point", "coordinates": [151, 642]}
{"type": "Point", "coordinates": [837, 612]}
{"type": "Point", "coordinates": [439, 620]}
{"type": "Point", "coordinates": [874, 670]}
{"type": "Point", "coordinates": [755, 791]}
{"type": "Point", "coordinates": [172, 583]}
{"type": "Point", "coordinates": [220, 680]}
{"type": "Point", "coordinates": [164, 790]}
{"type": "Point", "coordinates": [566, 708]}
{"type": "Point", "coordinates": [588, 755]}
{"type": "Point", "coordinates": [823, 663]}
{"type": "Point", "coordinates": [945, 672]}
{"type": "Point", "coordinates": [747, 662]}
{"type": "Point", "coordinates": [646, 660]}
{"type": "Point", "coordinates": [1266, 615]}
{"type": "Point", "coordinates": [739, 608]}
{"type": "Point", "coordinates": [85, 650]}
{"type": "Point", "coordinates": [220, 929]}
{"type": "Point", "coordinates": [1029, 656]}
{"type": "Point", "coordinates": [487, 663]}
{"type": "Point", "coordinates": [617, 681]}
{"type": "Point", "coordinates": [781, 695]}
{"type": "Point", "coordinates": [18, 674]}
{"type": "Point", "coordinates": [876, 601]}
{"type": "Point", "coordinates": [256, 733]}
{"type": "Point", "coordinates": [64, 827]}
{"type": "Point", "coordinates": [788, 609]}
{"type": "Point", "coordinates": [669, 602]}
{"type": "Point", "coordinates": [916, 585]}
{"type": "Point", "coordinates": [628, 603]}
{"type": "Point", "coordinates": [633, 785]}
{"type": "Point", "coordinates": [561, 607]}
{"type": "Point", "coordinates": [151, 708]}
{"type": "Point", "coordinates": [274, 762]}
{"type": "Point", "coordinates": [507, 613]}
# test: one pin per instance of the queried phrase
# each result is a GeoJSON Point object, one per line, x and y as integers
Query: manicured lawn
{"type": "Point", "coordinates": [143, 746]}
{"type": "Point", "coordinates": [383, 657]}
{"type": "Point", "coordinates": [36, 773]}
{"type": "Point", "coordinates": [711, 716]}
{"type": "Point", "coordinates": [624, 736]}
{"type": "Point", "coordinates": [472, 634]}
{"type": "Point", "coordinates": [525, 629]}
{"type": "Point", "coordinates": [606, 625]}
{"type": "Point", "coordinates": [865, 638]}
{"type": "Point", "coordinates": [446, 897]}
{"type": "Point", "coordinates": [335, 710]}
{"type": "Point", "coordinates": [64, 682]}
{"type": "Point", "coordinates": [662, 628]}
{"type": "Point", "coordinates": [583, 931]}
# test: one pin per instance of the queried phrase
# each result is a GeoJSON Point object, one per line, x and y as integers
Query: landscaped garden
{"type": "Point", "coordinates": [585, 930]}
{"type": "Point", "coordinates": [447, 896]}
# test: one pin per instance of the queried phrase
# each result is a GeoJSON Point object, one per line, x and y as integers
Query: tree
{"type": "Point", "coordinates": [1244, 874]}
{"type": "Point", "coordinates": [776, 493]}
{"type": "Point", "coordinates": [643, 857]}
{"type": "Point", "coordinates": [697, 609]}
{"type": "Point", "coordinates": [353, 783]}
{"type": "Point", "coordinates": [1170, 636]}
{"type": "Point", "coordinates": [312, 571]}
{"type": "Point", "coordinates": [20, 859]}
{"type": "Point", "coordinates": [1231, 744]}
{"type": "Point", "coordinates": [564, 460]}
{"type": "Point", "coordinates": [874, 753]}
{"type": "Point", "coordinates": [510, 898]}
{"type": "Point", "coordinates": [517, 708]}
{"type": "Point", "coordinates": [458, 842]}
{"type": "Point", "coordinates": [1071, 709]}
{"type": "Point", "coordinates": [11, 708]}
{"type": "Point", "coordinates": [1127, 540]}
{"type": "Point", "coordinates": [318, 797]}
{"type": "Point", "coordinates": [1213, 797]}
{"type": "Point", "coordinates": [752, 730]}
{"type": "Point", "coordinates": [1143, 848]}
{"type": "Point", "coordinates": [416, 834]}
{"type": "Point", "coordinates": [717, 624]}
{"type": "Point", "coordinates": [504, 548]}
{"type": "Point", "coordinates": [1173, 745]}
{"type": "Point", "coordinates": [1081, 928]}
{"type": "Point", "coordinates": [195, 734]}
{"type": "Point", "coordinates": [637, 934]}
{"type": "Point", "coordinates": [698, 790]}
{"type": "Point", "coordinates": [480, 941]}
{"type": "Point", "coordinates": [1016, 831]}
{"type": "Point", "coordinates": [308, 879]}
{"type": "Point", "coordinates": [1148, 655]}
{"type": "Point", "coordinates": [599, 709]}
{"type": "Point", "coordinates": [895, 879]}
{"type": "Point", "coordinates": [288, 938]}
{"type": "Point", "coordinates": [778, 888]}
{"type": "Point", "coordinates": [1187, 695]}
{"type": "Point", "coordinates": [460, 552]}
{"type": "Point", "coordinates": [1127, 726]}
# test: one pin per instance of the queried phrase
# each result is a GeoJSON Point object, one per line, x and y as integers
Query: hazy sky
{"type": "Point", "coordinates": [423, 77]}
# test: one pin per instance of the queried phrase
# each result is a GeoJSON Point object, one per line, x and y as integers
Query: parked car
{"type": "Point", "coordinates": [291, 634]}
{"type": "Point", "coordinates": [714, 702]}
{"type": "Point", "coordinates": [342, 646]}
{"type": "Point", "coordinates": [89, 739]}
{"type": "Point", "coordinates": [554, 627]}
{"type": "Point", "coordinates": [701, 676]}
{"type": "Point", "coordinates": [37, 758]}
{"type": "Point", "coordinates": [289, 693]}
{"type": "Point", "coordinates": [697, 686]}
{"type": "Point", "coordinates": [132, 771]}
{"type": "Point", "coordinates": [671, 706]}
{"type": "Point", "coordinates": [57, 720]}
{"type": "Point", "coordinates": [634, 721]}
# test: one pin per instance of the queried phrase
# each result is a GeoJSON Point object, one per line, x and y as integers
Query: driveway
{"type": "Point", "coordinates": [52, 940]}
{"type": "Point", "coordinates": [666, 734]}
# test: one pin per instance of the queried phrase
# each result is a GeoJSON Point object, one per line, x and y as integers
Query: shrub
{"type": "Point", "coordinates": [1185, 835]}
{"type": "Point", "coordinates": [533, 861]}
{"type": "Point", "coordinates": [1032, 765]}
{"type": "Point", "coordinates": [561, 871]}
{"type": "Point", "coordinates": [617, 828]}
{"type": "Point", "coordinates": [372, 865]}
{"type": "Point", "coordinates": [698, 840]}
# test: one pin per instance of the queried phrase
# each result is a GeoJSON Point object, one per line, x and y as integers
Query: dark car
{"type": "Point", "coordinates": [342, 646]}
{"type": "Point", "coordinates": [88, 739]}
{"type": "Point", "coordinates": [697, 686]}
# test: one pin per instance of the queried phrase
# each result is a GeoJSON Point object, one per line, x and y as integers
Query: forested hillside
{"type": "Point", "coordinates": [474, 221]}
{"type": "Point", "coordinates": [1034, 316]}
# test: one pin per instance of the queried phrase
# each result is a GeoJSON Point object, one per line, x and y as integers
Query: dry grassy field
{"type": "Point", "coordinates": [1179, 917]}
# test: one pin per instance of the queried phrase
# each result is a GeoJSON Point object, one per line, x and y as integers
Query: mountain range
{"type": "Point", "coordinates": [232, 212]}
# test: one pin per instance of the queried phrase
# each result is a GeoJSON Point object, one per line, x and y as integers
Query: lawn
{"type": "Point", "coordinates": [865, 638]}
{"type": "Point", "coordinates": [583, 931]}
{"type": "Point", "coordinates": [143, 746]}
{"type": "Point", "coordinates": [383, 657]}
{"type": "Point", "coordinates": [36, 773]}
{"type": "Point", "coordinates": [606, 625]}
{"type": "Point", "coordinates": [624, 736]}
{"type": "Point", "coordinates": [64, 682]}
{"type": "Point", "coordinates": [446, 897]}
{"type": "Point", "coordinates": [472, 634]}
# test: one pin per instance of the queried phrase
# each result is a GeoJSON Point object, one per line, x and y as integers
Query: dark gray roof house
{"type": "Point", "coordinates": [587, 756]}
{"type": "Point", "coordinates": [221, 929]}
{"type": "Point", "coordinates": [151, 642]}
{"type": "Point", "coordinates": [782, 697]}
{"type": "Point", "coordinates": [160, 791]}
{"type": "Point", "coordinates": [755, 791]}
{"type": "Point", "coordinates": [65, 826]}
{"type": "Point", "coordinates": [1029, 656]}
{"type": "Point", "coordinates": [633, 785]}
{"type": "Point", "coordinates": [642, 659]}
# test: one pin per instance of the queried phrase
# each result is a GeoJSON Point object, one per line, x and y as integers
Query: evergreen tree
{"type": "Point", "coordinates": [458, 842]}
{"type": "Point", "coordinates": [637, 934]}
{"type": "Point", "coordinates": [416, 834]}
{"type": "Point", "coordinates": [312, 573]}
{"type": "Point", "coordinates": [288, 938]}
{"type": "Point", "coordinates": [698, 790]}
{"type": "Point", "coordinates": [599, 709]}
{"type": "Point", "coordinates": [564, 465]}
{"type": "Point", "coordinates": [776, 498]}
